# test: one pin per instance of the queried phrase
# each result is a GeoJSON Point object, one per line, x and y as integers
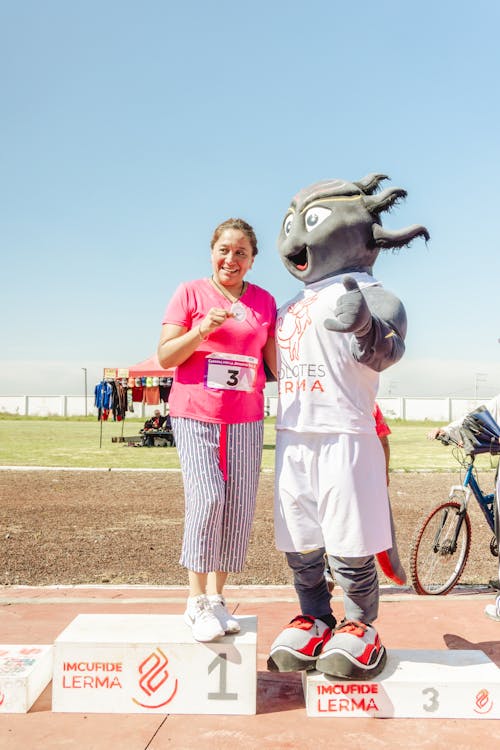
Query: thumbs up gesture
{"type": "Point", "coordinates": [352, 314]}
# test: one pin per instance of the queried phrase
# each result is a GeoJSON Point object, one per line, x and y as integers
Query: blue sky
{"type": "Point", "coordinates": [130, 130]}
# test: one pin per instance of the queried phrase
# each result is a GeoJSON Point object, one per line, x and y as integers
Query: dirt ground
{"type": "Point", "coordinates": [111, 527]}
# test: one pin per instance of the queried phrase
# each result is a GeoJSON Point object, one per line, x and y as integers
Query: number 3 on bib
{"type": "Point", "coordinates": [233, 372]}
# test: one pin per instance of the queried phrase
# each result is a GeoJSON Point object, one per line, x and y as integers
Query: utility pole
{"type": "Point", "coordinates": [85, 376]}
{"type": "Point", "coordinates": [479, 377]}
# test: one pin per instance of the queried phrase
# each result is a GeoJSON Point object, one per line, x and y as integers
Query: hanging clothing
{"type": "Point", "coordinates": [137, 394]}
{"type": "Point", "coordinates": [103, 395]}
{"type": "Point", "coordinates": [152, 395]}
{"type": "Point", "coordinates": [103, 399]}
{"type": "Point", "coordinates": [130, 400]}
{"type": "Point", "coordinates": [165, 392]}
{"type": "Point", "coordinates": [121, 401]}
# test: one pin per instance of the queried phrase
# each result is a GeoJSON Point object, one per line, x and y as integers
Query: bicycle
{"type": "Point", "coordinates": [441, 546]}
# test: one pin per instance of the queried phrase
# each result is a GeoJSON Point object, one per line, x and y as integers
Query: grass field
{"type": "Point", "coordinates": [83, 443]}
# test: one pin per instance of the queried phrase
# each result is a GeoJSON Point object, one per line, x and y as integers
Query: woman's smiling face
{"type": "Point", "coordinates": [232, 257]}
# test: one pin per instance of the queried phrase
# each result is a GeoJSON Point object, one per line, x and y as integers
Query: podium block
{"type": "Point", "coordinates": [413, 684]}
{"type": "Point", "coordinates": [25, 672]}
{"type": "Point", "coordinates": [134, 663]}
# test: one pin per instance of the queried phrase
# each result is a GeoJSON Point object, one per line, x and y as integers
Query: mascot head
{"type": "Point", "coordinates": [334, 227]}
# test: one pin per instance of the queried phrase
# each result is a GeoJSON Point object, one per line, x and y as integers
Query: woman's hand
{"type": "Point", "coordinates": [177, 343]}
{"type": "Point", "coordinates": [214, 318]}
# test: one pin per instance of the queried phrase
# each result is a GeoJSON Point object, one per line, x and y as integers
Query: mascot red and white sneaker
{"type": "Point", "coordinates": [298, 645]}
{"type": "Point", "coordinates": [354, 652]}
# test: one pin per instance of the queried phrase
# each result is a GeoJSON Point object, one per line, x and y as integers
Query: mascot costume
{"type": "Point", "coordinates": [333, 339]}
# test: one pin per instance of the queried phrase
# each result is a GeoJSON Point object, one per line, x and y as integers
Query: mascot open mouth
{"type": "Point", "coordinates": [301, 259]}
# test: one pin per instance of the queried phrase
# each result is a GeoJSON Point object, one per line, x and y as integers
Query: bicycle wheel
{"type": "Point", "coordinates": [436, 564]}
{"type": "Point", "coordinates": [494, 544]}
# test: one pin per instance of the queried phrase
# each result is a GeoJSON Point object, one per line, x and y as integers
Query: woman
{"type": "Point", "coordinates": [218, 332]}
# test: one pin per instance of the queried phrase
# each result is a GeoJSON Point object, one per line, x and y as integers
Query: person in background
{"type": "Point", "coordinates": [452, 429]}
{"type": "Point", "coordinates": [218, 332]}
{"type": "Point", "coordinates": [383, 431]}
{"type": "Point", "coordinates": [153, 426]}
{"type": "Point", "coordinates": [157, 421]}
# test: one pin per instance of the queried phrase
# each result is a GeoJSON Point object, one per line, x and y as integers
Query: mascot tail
{"type": "Point", "coordinates": [393, 572]}
{"type": "Point", "coordinates": [389, 561]}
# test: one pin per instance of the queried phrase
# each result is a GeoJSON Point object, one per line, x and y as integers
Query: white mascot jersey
{"type": "Point", "coordinates": [322, 388]}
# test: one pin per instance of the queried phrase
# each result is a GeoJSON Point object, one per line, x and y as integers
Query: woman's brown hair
{"type": "Point", "coordinates": [242, 226]}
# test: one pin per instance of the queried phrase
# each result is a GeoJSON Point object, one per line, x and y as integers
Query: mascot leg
{"type": "Point", "coordinates": [299, 644]}
{"type": "Point", "coordinates": [354, 652]}
{"type": "Point", "coordinates": [358, 579]}
{"type": "Point", "coordinates": [309, 582]}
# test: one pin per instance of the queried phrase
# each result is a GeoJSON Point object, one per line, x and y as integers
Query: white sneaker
{"type": "Point", "coordinates": [204, 624]}
{"type": "Point", "coordinates": [493, 610]}
{"type": "Point", "coordinates": [218, 605]}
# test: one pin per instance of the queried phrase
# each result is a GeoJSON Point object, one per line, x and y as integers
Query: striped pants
{"type": "Point", "coordinates": [220, 469]}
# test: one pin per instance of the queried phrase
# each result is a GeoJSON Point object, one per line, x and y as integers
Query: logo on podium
{"type": "Point", "coordinates": [153, 679]}
{"type": "Point", "coordinates": [484, 704]}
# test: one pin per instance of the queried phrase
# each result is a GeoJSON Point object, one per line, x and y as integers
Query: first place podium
{"type": "Point", "coordinates": [151, 664]}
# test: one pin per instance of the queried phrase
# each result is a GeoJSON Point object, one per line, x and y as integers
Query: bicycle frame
{"type": "Point", "coordinates": [470, 486]}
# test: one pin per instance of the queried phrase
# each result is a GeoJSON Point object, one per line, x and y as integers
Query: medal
{"type": "Point", "coordinates": [238, 311]}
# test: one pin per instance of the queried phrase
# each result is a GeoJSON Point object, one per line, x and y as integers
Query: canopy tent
{"type": "Point", "coordinates": [150, 367]}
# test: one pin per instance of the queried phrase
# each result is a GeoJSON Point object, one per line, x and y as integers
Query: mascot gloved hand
{"type": "Point", "coordinates": [331, 501]}
{"type": "Point", "coordinates": [356, 314]}
{"type": "Point", "coordinates": [352, 313]}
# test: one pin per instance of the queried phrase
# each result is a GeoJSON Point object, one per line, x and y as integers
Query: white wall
{"type": "Point", "coordinates": [62, 406]}
{"type": "Point", "coordinates": [398, 407]}
{"type": "Point", "coordinates": [442, 410]}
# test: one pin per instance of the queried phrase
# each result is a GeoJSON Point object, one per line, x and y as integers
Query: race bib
{"type": "Point", "coordinates": [230, 372]}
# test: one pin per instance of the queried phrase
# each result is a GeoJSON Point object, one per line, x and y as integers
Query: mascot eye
{"type": "Point", "coordinates": [287, 224]}
{"type": "Point", "coordinates": [314, 217]}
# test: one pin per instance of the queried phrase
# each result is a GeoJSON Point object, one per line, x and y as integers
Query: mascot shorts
{"type": "Point", "coordinates": [331, 492]}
